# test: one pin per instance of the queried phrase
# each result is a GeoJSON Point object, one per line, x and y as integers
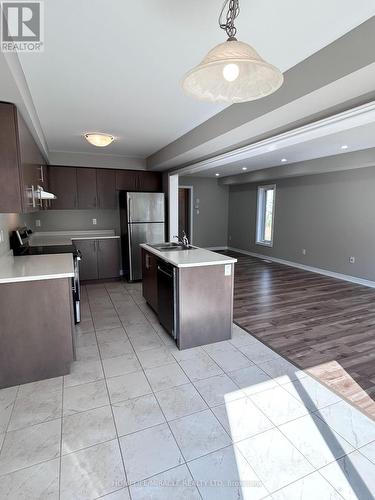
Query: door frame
{"type": "Point", "coordinates": [191, 203]}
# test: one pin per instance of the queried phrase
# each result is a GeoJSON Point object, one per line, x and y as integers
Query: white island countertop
{"type": "Point", "coordinates": [190, 258]}
{"type": "Point", "coordinates": [66, 237]}
{"type": "Point", "coordinates": [36, 267]}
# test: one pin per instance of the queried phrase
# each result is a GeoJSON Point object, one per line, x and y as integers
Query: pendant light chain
{"type": "Point", "coordinates": [228, 23]}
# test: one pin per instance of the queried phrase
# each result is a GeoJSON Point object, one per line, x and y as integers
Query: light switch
{"type": "Point", "coordinates": [38, 223]}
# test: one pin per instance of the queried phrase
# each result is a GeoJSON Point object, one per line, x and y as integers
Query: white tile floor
{"type": "Point", "coordinates": [138, 419]}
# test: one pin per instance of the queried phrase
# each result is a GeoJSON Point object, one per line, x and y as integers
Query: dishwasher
{"type": "Point", "coordinates": [167, 304]}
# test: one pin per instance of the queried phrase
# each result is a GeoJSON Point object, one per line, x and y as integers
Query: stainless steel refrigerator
{"type": "Point", "coordinates": [142, 218]}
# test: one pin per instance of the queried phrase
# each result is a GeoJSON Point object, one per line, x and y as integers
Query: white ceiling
{"type": "Point", "coordinates": [357, 138]}
{"type": "Point", "coordinates": [115, 66]}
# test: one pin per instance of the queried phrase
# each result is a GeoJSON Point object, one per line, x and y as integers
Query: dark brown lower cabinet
{"type": "Point", "coordinates": [88, 266]}
{"type": "Point", "coordinates": [36, 319]}
{"type": "Point", "coordinates": [108, 258]}
{"type": "Point", "coordinates": [150, 279]}
{"type": "Point", "coordinates": [100, 259]}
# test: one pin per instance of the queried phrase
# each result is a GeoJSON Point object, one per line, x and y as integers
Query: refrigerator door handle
{"type": "Point", "coordinates": [130, 253]}
{"type": "Point", "coordinates": [129, 210]}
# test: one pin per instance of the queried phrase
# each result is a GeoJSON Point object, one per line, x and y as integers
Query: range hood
{"type": "Point", "coordinates": [45, 195]}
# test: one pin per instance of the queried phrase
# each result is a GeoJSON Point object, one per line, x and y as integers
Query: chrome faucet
{"type": "Point", "coordinates": [184, 239]}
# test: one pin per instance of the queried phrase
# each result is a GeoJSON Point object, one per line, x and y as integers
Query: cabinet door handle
{"type": "Point", "coordinates": [95, 201]}
{"type": "Point", "coordinates": [41, 174]}
{"type": "Point", "coordinates": [130, 211]}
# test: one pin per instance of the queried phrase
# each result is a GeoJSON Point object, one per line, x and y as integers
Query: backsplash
{"type": "Point", "coordinates": [76, 220]}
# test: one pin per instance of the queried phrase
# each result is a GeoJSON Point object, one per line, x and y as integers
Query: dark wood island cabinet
{"type": "Point", "coordinates": [36, 339]}
{"type": "Point", "coordinates": [197, 300]}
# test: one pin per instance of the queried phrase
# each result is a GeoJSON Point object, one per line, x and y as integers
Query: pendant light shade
{"type": "Point", "coordinates": [232, 72]}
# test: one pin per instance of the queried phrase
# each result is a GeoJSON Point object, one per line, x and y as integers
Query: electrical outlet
{"type": "Point", "coordinates": [38, 223]}
{"type": "Point", "coordinates": [197, 212]}
{"type": "Point", "coordinates": [352, 260]}
{"type": "Point", "coordinates": [303, 251]}
{"type": "Point", "coordinates": [94, 222]}
{"type": "Point", "coordinates": [230, 238]}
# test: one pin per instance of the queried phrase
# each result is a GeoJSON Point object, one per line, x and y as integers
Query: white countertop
{"type": "Point", "coordinates": [66, 237]}
{"type": "Point", "coordinates": [36, 267]}
{"type": "Point", "coordinates": [191, 258]}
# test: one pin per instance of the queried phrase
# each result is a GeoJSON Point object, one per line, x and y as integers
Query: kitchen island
{"type": "Point", "coordinates": [36, 317]}
{"type": "Point", "coordinates": [191, 291]}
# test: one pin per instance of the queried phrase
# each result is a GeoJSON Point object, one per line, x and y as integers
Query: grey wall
{"type": "Point", "coordinates": [331, 215]}
{"type": "Point", "coordinates": [76, 220]}
{"type": "Point", "coordinates": [210, 227]}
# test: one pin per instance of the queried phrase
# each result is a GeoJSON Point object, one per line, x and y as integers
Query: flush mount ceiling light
{"type": "Point", "coordinates": [345, 146]}
{"type": "Point", "coordinates": [99, 140]}
{"type": "Point", "coordinates": [244, 168]}
{"type": "Point", "coordinates": [283, 160]}
{"type": "Point", "coordinates": [217, 175]}
{"type": "Point", "coordinates": [232, 71]}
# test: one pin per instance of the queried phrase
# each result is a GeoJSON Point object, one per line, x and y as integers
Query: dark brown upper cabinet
{"type": "Point", "coordinates": [150, 181]}
{"type": "Point", "coordinates": [20, 163]}
{"type": "Point", "coordinates": [106, 187]}
{"type": "Point", "coordinates": [126, 180]}
{"type": "Point", "coordinates": [63, 184]}
{"type": "Point", "coordinates": [138, 180]}
{"type": "Point", "coordinates": [86, 188]}
{"type": "Point", "coordinates": [89, 188]}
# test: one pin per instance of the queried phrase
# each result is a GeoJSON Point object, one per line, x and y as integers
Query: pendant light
{"type": "Point", "coordinates": [232, 71]}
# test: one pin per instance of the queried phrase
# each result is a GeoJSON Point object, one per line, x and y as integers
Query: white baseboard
{"type": "Point", "coordinates": [325, 272]}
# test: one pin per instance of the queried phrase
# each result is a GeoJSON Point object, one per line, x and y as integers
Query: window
{"type": "Point", "coordinates": [265, 215]}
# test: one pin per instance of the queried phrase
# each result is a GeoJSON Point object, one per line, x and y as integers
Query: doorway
{"type": "Point", "coordinates": [185, 211]}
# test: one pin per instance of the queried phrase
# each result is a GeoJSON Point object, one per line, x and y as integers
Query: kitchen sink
{"type": "Point", "coordinates": [164, 247]}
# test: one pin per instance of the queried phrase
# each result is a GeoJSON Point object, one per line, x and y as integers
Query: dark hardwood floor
{"type": "Point", "coordinates": [321, 324]}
